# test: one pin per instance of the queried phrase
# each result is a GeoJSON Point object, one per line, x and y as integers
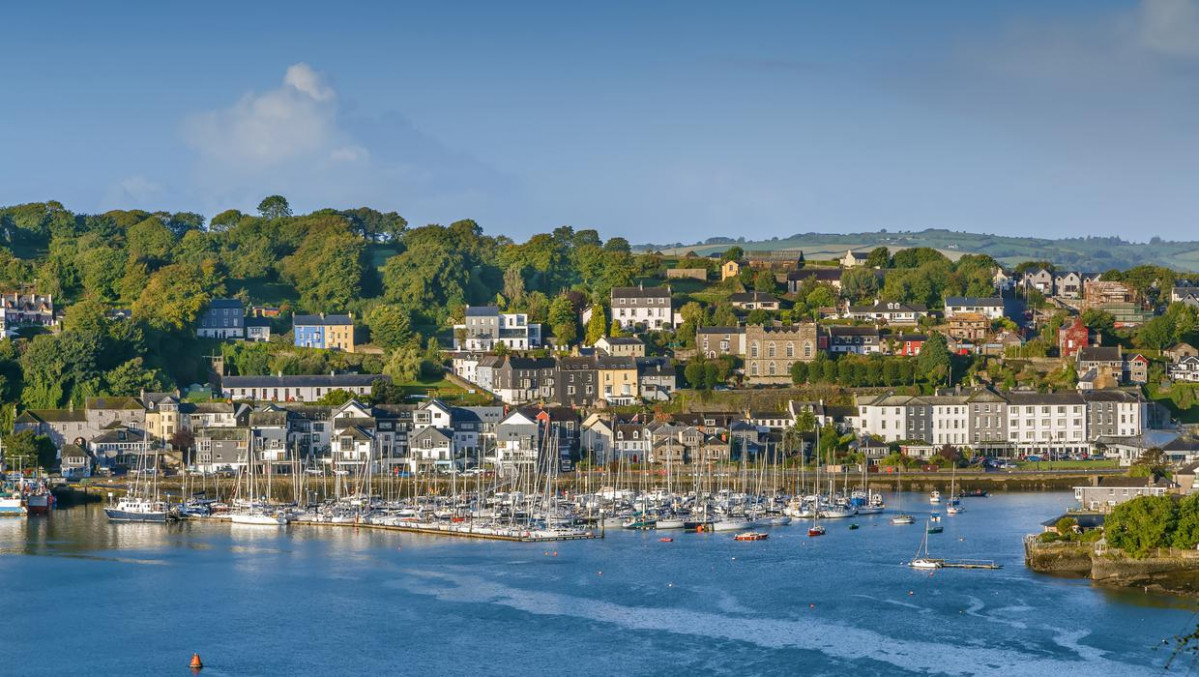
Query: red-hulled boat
{"type": "Point", "coordinates": [751, 536]}
{"type": "Point", "coordinates": [817, 530]}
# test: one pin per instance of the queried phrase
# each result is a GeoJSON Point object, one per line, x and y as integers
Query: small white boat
{"type": "Point", "coordinates": [925, 563]}
{"type": "Point", "coordinates": [903, 519]}
{"type": "Point", "coordinates": [671, 523]}
{"type": "Point", "coordinates": [730, 524]}
{"type": "Point", "coordinates": [837, 511]}
{"type": "Point", "coordinates": [259, 518]}
{"type": "Point", "coordinates": [934, 497]}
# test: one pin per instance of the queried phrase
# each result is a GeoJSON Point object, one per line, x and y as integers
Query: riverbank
{"type": "Point", "coordinates": [1171, 571]}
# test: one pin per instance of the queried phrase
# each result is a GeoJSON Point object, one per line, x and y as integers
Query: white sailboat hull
{"type": "Point", "coordinates": [259, 520]}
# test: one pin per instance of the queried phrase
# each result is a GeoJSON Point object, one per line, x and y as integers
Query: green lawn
{"type": "Point", "coordinates": [1166, 398]}
{"type": "Point", "coordinates": [445, 391]}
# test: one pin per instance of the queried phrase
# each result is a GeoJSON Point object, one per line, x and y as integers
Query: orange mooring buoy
{"type": "Point", "coordinates": [196, 663]}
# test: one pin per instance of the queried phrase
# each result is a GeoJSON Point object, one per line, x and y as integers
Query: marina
{"type": "Point", "coordinates": [704, 602]}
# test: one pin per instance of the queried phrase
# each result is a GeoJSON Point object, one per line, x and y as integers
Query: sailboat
{"type": "Point", "coordinates": [954, 505]}
{"type": "Point", "coordinates": [256, 513]}
{"type": "Point", "coordinates": [902, 517]}
{"type": "Point", "coordinates": [922, 559]}
{"type": "Point", "coordinates": [141, 502]}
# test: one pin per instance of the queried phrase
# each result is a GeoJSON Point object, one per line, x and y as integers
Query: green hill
{"type": "Point", "coordinates": [1087, 254]}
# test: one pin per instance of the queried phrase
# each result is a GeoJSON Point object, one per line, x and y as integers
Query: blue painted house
{"type": "Point", "coordinates": [333, 332]}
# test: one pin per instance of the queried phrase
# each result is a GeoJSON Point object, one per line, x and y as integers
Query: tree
{"type": "Point", "coordinates": [859, 283]}
{"type": "Point", "coordinates": [696, 374]}
{"type": "Point", "coordinates": [326, 269]}
{"type": "Point", "coordinates": [1151, 463]}
{"type": "Point", "coordinates": [879, 257]}
{"type": "Point", "coordinates": [173, 298]}
{"type": "Point", "coordinates": [597, 325]}
{"type": "Point", "coordinates": [514, 284]}
{"type": "Point", "coordinates": [403, 365]}
{"type": "Point", "coordinates": [733, 253]}
{"type": "Point", "coordinates": [132, 378]}
{"type": "Point", "coordinates": [765, 282]}
{"type": "Point", "coordinates": [27, 449]}
{"type": "Point", "coordinates": [1139, 526]}
{"type": "Point", "coordinates": [389, 325]}
{"type": "Point", "coordinates": [274, 207]}
{"type": "Point", "coordinates": [563, 320]}
{"type": "Point", "coordinates": [86, 315]}
{"type": "Point", "coordinates": [933, 363]}
{"type": "Point", "coordinates": [1186, 533]}
{"type": "Point", "coordinates": [1099, 321]}
{"type": "Point", "coordinates": [182, 439]}
{"type": "Point", "coordinates": [799, 373]}
{"type": "Point", "coordinates": [335, 398]}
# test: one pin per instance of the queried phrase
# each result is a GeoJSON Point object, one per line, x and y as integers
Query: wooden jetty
{"type": "Point", "coordinates": [969, 564]}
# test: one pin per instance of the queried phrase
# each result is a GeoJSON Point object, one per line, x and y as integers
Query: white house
{"type": "Point", "coordinates": [649, 307]}
{"type": "Point", "coordinates": [991, 308]}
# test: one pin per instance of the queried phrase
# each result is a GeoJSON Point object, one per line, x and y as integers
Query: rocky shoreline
{"type": "Point", "coordinates": [1171, 571]}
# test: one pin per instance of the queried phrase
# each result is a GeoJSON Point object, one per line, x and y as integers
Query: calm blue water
{"type": "Point", "coordinates": [82, 595]}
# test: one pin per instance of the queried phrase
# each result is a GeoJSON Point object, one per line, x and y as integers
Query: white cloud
{"type": "Point", "coordinates": [1170, 26]}
{"type": "Point", "coordinates": [260, 131]}
{"type": "Point", "coordinates": [303, 78]}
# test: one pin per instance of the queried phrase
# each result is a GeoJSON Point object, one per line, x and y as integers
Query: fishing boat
{"type": "Point", "coordinates": [816, 530]}
{"type": "Point", "coordinates": [141, 503]}
{"type": "Point", "coordinates": [751, 536]}
{"type": "Point", "coordinates": [134, 509]}
{"type": "Point", "coordinates": [934, 497]}
{"type": "Point", "coordinates": [923, 560]}
{"type": "Point", "coordinates": [11, 503]}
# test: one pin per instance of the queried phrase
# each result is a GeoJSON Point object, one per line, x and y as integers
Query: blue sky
{"type": "Point", "coordinates": [662, 122]}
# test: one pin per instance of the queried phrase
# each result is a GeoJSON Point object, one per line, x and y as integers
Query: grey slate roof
{"type": "Point", "coordinates": [302, 381]}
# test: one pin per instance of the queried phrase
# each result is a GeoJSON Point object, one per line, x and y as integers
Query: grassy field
{"type": "Point", "coordinates": [1079, 253]}
{"type": "Point", "coordinates": [444, 390]}
{"type": "Point", "coordinates": [1167, 398]}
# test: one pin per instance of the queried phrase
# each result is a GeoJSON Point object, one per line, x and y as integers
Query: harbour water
{"type": "Point", "coordinates": [86, 596]}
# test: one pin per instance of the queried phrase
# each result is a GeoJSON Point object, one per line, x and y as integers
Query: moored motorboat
{"type": "Point", "coordinates": [751, 536]}
{"type": "Point", "coordinates": [140, 510]}
{"type": "Point", "coordinates": [816, 530]}
{"type": "Point", "coordinates": [934, 497]}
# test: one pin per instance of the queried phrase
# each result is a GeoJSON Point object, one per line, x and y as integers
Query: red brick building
{"type": "Point", "coordinates": [1073, 337]}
